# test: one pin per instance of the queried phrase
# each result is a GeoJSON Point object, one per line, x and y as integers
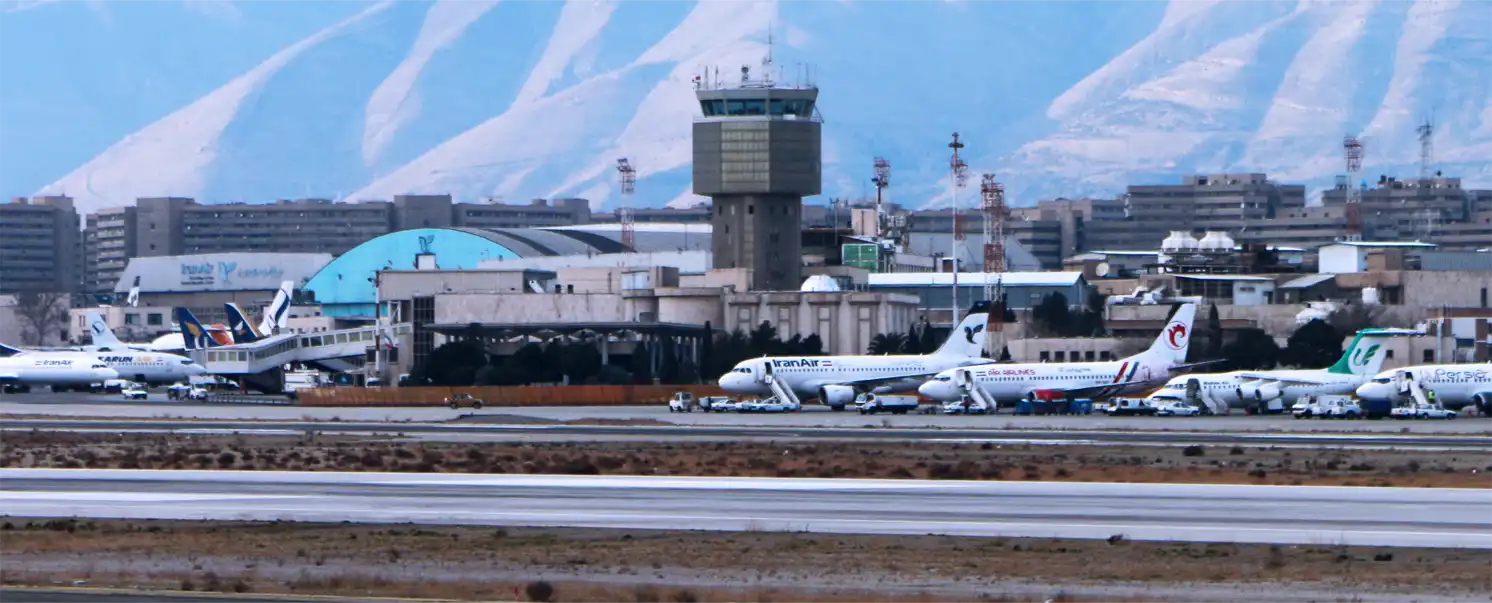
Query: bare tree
{"type": "Point", "coordinates": [40, 313]}
{"type": "Point", "coordinates": [1353, 317]}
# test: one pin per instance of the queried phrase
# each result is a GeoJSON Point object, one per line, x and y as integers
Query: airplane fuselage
{"type": "Point", "coordinates": [1238, 391]}
{"type": "Point", "coordinates": [55, 368]}
{"type": "Point", "coordinates": [1455, 385]}
{"type": "Point", "coordinates": [1015, 381]}
{"type": "Point", "coordinates": [805, 375]}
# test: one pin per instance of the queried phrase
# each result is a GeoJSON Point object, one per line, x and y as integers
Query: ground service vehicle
{"type": "Point", "coordinates": [869, 404]}
{"type": "Point", "coordinates": [458, 400]}
{"type": "Point", "coordinates": [1177, 409]}
{"type": "Point", "coordinates": [681, 402]}
{"type": "Point", "coordinates": [135, 393]}
{"type": "Point", "coordinates": [1129, 406]}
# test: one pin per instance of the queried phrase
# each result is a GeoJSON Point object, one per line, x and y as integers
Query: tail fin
{"type": "Point", "coordinates": [1175, 339]}
{"type": "Point", "coordinates": [967, 339]}
{"type": "Point", "coordinates": [277, 314]}
{"type": "Point", "coordinates": [102, 335]}
{"type": "Point", "coordinates": [238, 323]}
{"type": "Point", "coordinates": [134, 298]}
{"type": "Point", "coordinates": [193, 335]}
{"type": "Point", "coordinates": [1364, 356]}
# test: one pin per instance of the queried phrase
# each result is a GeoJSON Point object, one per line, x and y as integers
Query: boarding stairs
{"type": "Point", "coordinates": [1410, 388]}
{"type": "Point", "coordinates": [1205, 400]}
{"type": "Point", "coordinates": [780, 389]}
{"type": "Point", "coordinates": [964, 379]}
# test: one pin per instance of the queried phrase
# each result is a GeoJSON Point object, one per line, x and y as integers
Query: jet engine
{"type": "Point", "coordinates": [836, 397]}
{"type": "Point", "coordinates": [1482, 402]}
{"type": "Point", "coordinates": [1259, 392]}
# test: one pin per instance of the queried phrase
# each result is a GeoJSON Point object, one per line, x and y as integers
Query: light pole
{"type": "Point", "coordinates": [377, 325]}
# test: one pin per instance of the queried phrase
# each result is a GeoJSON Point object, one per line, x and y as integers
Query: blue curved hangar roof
{"type": "Point", "coordinates": [344, 287]}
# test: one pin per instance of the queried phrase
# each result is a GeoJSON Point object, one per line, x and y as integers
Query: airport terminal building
{"type": "Point", "coordinates": [201, 283]}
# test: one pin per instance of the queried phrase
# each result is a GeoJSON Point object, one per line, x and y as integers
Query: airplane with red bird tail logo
{"type": "Point", "coordinates": [1010, 382]}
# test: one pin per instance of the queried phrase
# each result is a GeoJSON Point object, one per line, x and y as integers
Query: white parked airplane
{"type": "Point", "coordinates": [67, 369]}
{"type": "Point", "coordinates": [1455, 385]}
{"type": "Point", "coordinates": [1256, 389]}
{"type": "Point", "coordinates": [990, 384]}
{"type": "Point", "coordinates": [104, 339]}
{"type": "Point", "coordinates": [151, 368]}
{"type": "Point", "coordinates": [836, 380]}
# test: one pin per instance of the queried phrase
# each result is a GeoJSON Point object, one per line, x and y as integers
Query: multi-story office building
{"type": "Point", "coordinates": [162, 226]}
{"type": "Point", "coordinates": [1434, 210]}
{"type": "Point", "coordinates": [1221, 202]}
{"type": "Point", "coordinates": [39, 245]}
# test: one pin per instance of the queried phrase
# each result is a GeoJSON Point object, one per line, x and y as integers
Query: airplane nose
{"type": "Point", "coordinates": [937, 390]}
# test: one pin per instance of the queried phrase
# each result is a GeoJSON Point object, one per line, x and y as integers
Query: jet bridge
{"type": "Point", "coordinates": [331, 349]}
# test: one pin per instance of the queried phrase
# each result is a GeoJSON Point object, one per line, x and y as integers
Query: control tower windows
{"type": "Point", "coordinates": [750, 107]}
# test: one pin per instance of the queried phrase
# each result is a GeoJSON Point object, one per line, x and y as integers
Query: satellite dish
{"type": "Point", "coordinates": [1102, 269]}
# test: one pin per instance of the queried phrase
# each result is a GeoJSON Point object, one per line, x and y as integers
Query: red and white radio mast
{"type": "Point", "coordinates": [992, 203]}
{"type": "Point", "coordinates": [1352, 150]}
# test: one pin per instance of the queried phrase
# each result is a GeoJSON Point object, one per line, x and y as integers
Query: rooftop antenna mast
{"type": "Point", "coordinates": [1426, 148]}
{"type": "Point", "coordinates": [992, 202]}
{"type": "Point", "coordinates": [1352, 151]}
{"type": "Point", "coordinates": [882, 180]}
{"type": "Point", "coordinates": [627, 175]}
{"type": "Point", "coordinates": [958, 175]}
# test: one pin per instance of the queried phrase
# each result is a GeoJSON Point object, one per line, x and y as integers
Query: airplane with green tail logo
{"type": "Point", "coordinates": [1275, 390]}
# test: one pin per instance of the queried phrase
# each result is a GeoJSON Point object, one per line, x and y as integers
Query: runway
{"type": "Point", "coordinates": [477, 432]}
{"type": "Point", "coordinates": [1400, 517]}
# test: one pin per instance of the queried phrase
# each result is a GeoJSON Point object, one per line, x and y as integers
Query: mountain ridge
{"type": "Point", "coordinates": [518, 100]}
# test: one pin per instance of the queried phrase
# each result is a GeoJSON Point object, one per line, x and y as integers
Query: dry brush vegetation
{"type": "Point", "coordinates": [644, 566]}
{"type": "Point", "coordinates": [926, 460]}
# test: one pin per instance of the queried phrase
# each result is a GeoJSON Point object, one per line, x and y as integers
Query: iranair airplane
{"type": "Point", "coordinates": [995, 382]}
{"type": "Point", "coordinates": [52, 368]}
{"type": "Point", "coordinates": [836, 380]}
{"type": "Point", "coordinates": [1255, 389]}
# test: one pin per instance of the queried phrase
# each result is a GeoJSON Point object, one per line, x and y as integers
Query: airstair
{"type": "Point", "coordinates": [1408, 387]}
{"type": "Point", "coordinates": [780, 389]}
{"type": "Point", "coordinates": [964, 379]}
{"type": "Point", "coordinates": [1209, 403]}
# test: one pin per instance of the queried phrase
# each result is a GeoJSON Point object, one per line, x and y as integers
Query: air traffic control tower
{"type": "Point", "coordinates": [756, 155]}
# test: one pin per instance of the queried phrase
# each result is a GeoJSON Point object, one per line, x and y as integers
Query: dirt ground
{"type": "Point", "coordinates": [614, 565]}
{"type": "Point", "coordinates": [929, 460]}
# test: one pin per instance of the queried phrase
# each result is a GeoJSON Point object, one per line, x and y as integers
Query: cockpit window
{"type": "Point", "coordinates": [187, 362]}
{"type": "Point", "coordinates": [942, 378]}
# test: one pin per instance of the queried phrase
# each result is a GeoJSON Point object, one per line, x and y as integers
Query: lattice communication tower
{"type": "Point", "coordinates": [627, 175]}
{"type": "Point", "coordinates": [1352, 151]}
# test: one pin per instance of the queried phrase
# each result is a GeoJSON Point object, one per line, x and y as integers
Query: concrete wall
{"type": "Point", "coordinates": [1075, 349]}
{"type": "Point", "coordinates": [846, 322]}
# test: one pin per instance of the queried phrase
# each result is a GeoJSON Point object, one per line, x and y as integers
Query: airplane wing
{"type": "Point", "coordinates": [1186, 367]}
{"type": "Point", "coordinates": [1107, 389]}
{"type": "Point", "coordinates": [883, 380]}
{"type": "Point", "coordinates": [1284, 379]}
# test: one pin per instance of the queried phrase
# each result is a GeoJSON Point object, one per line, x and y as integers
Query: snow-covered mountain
{"type": "Point", "coordinates": [360, 100]}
